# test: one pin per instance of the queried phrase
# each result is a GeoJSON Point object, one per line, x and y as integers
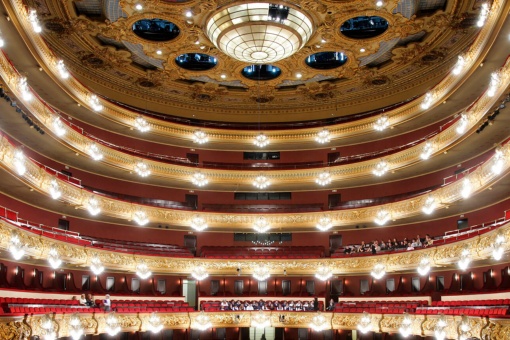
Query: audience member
{"type": "Point", "coordinates": [107, 303]}
{"type": "Point", "coordinates": [83, 300]}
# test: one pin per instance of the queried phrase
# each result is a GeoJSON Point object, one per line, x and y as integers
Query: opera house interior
{"type": "Point", "coordinates": [298, 170]}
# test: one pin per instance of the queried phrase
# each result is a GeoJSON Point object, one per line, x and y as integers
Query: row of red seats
{"type": "Point", "coordinates": [375, 304]}
{"type": "Point", "coordinates": [463, 311]}
{"type": "Point", "coordinates": [269, 252]}
{"type": "Point", "coordinates": [44, 310]}
{"type": "Point", "coordinates": [156, 309]}
{"type": "Point", "coordinates": [31, 301]}
{"type": "Point", "coordinates": [377, 310]}
{"type": "Point", "coordinates": [493, 302]}
{"type": "Point", "coordinates": [155, 305]}
{"type": "Point", "coordinates": [174, 302]}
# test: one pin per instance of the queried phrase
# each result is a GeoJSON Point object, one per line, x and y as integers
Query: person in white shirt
{"type": "Point", "coordinates": [107, 303]}
{"type": "Point", "coordinates": [83, 300]}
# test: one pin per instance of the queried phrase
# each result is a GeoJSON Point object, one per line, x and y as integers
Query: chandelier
{"type": "Point", "coordinates": [55, 191]}
{"type": "Point", "coordinates": [319, 323]}
{"type": "Point", "coordinates": [406, 328]}
{"type": "Point", "coordinates": [365, 323]}
{"type": "Point", "coordinates": [260, 320]}
{"type": "Point", "coordinates": [23, 88]}
{"type": "Point", "coordinates": [462, 124]}
{"type": "Point", "coordinates": [141, 124]}
{"type": "Point", "coordinates": [494, 84]}
{"type": "Point", "coordinates": [325, 223]}
{"type": "Point", "coordinates": [464, 260]}
{"type": "Point", "coordinates": [381, 168]}
{"type": "Point", "coordinates": [140, 217]}
{"type": "Point", "coordinates": [200, 137]}
{"type": "Point", "coordinates": [440, 329]}
{"type": "Point", "coordinates": [484, 12]}
{"type": "Point", "coordinates": [62, 70]}
{"type": "Point", "coordinates": [96, 265]}
{"type": "Point", "coordinates": [93, 206]}
{"type": "Point", "coordinates": [379, 271]}
{"type": "Point", "coordinates": [427, 101]}
{"type": "Point", "coordinates": [498, 162]}
{"type": "Point", "coordinates": [59, 127]}
{"type": "Point", "coordinates": [75, 327]}
{"type": "Point", "coordinates": [198, 223]}
{"type": "Point", "coordinates": [323, 136]}
{"type": "Point", "coordinates": [199, 179]}
{"type": "Point", "coordinates": [324, 273]}
{"type": "Point", "coordinates": [19, 162]}
{"type": "Point", "coordinates": [498, 247]}
{"type": "Point", "coordinates": [32, 18]}
{"type": "Point", "coordinates": [142, 169]}
{"type": "Point", "coordinates": [429, 205]}
{"type": "Point", "coordinates": [382, 123]}
{"type": "Point", "coordinates": [94, 102]}
{"type": "Point", "coordinates": [259, 33]}
{"type": "Point", "coordinates": [261, 273]}
{"type": "Point", "coordinates": [95, 152]}
{"type": "Point", "coordinates": [261, 225]}
{"type": "Point", "coordinates": [466, 189]}
{"type": "Point", "coordinates": [261, 182]}
{"type": "Point", "coordinates": [464, 328]}
{"type": "Point", "coordinates": [459, 65]}
{"type": "Point", "coordinates": [382, 217]}
{"type": "Point", "coordinates": [16, 247]}
{"type": "Point", "coordinates": [155, 324]}
{"type": "Point", "coordinates": [202, 322]}
{"type": "Point", "coordinates": [261, 140]}
{"type": "Point", "coordinates": [142, 270]}
{"type": "Point", "coordinates": [112, 324]}
{"type": "Point", "coordinates": [427, 150]}
{"type": "Point", "coordinates": [54, 259]}
{"type": "Point", "coordinates": [49, 330]}
{"type": "Point", "coordinates": [424, 266]}
{"type": "Point", "coordinates": [199, 273]}
{"type": "Point", "coordinates": [324, 178]}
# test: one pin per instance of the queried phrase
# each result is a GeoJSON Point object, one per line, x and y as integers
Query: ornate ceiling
{"type": "Point", "coordinates": [419, 48]}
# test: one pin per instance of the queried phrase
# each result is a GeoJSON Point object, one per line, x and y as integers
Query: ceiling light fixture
{"type": "Point", "coordinates": [23, 88]}
{"type": "Point", "coordinates": [96, 266]}
{"type": "Point", "coordinates": [379, 271]}
{"type": "Point", "coordinates": [75, 327]}
{"type": "Point", "coordinates": [382, 217]}
{"type": "Point", "coordinates": [382, 123]}
{"type": "Point", "coordinates": [465, 259]}
{"type": "Point", "coordinates": [261, 182]}
{"type": "Point", "coordinates": [198, 223]}
{"type": "Point", "coordinates": [424, 266]}
{"type": "Point", "coordinates": [406, 328]}
{"type": "Point", "coordinates": [484, 13]}
{"type": "Point", "coordinates": [142, 169]}
{"type": "Point", "coordinates": [427, 101]}
{"type": "Point", "coordinates": [459, 65]}
{"type": "Point", "coordinates": [261, 273]}
{"type": "Point", "coordinates": [494, 84]}
{"type": "Point", "coordinates": [94, 103]}
{"type": "Point", "coordinates": [62, 70]}
{"type": "Point", "coordinates": [19, 162]}
{"type": "Point", "coordinates": [140, 217]}
{"type": "Point", "coordinates": [54, 189]}
{"type": "Point", "coordinates": [261, 225]}
{"type": "Point", "coordinates": [324, 178]}
{"type": "Point", "coordinates": [365, 323]}
{"type": "Point", "coordinates": [141, 124]}
{"type": "Point", "coordinates": [200, 137]}
{"type": "Point", "coordinates": [112, 324]}
{"type": "Point", "coordinates": [155, 323]}
{"type": "Point", "coordinates": [429, 206]}
{"type": "Point", "coordinates": [199, 273]}
{"type": "Point", "coordinates": [142, 270]}
{"type": "Point", "coordinates": [54, 258]}
{"type": "Point", "coordinates": [199, 179]}
{"type": "Point", "coordinates": [261, 140]}
{"type": "Point", "coordinates": [32, 18]}
{"type": "Point", "coordinates": [498, 248]}
{"type": "Point", "coordinates": [59, 127]}
{"type": "Point", "coordinates": [259, 33]}
{"type": "Point", "coordinates": [325, 223]}
{"type": "Point", "coordinates": [202, 322]}
{"type": "Point", "coordinates": [95, 152]}
{"type": "Point", "coordinates": [427, 150]}
{"type": "Point", "coordinates": [16, 247]}
{"type": "Point", "coordinates": [324, 273]}
{"type": "Point", "coordinates": [319, 323]}
{"type": "Point", "coordinates": [379, 3]}
{"type": "Point", "coordinates": [260, 320]}
{"type": "Point", "coordinates": [323, 136]}
{"type": "Point", "coordinates": [381, 168]}
{"type": "Point", "coordinates": [462, 124]}
{"type": "Point", "coordinates": [93, 206]}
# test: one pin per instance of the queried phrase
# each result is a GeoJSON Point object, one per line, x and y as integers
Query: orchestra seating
{"type": "Point", "coordinates": [301, 252]}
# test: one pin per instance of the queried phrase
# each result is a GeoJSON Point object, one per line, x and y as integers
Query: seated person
{"type": "Point", "coordinates": [90, 301]}
{"type": "Point", "coordinates": [83, 300]}
{"type": "Point", "coordinates": [291, 306]}
{"type": "Point", "coordinates": [285, 305]}
{"type": "Point", "coordinates": [224, 305]}
{"type": "Point", "coordinates": [428, 241]}
{"type": "Point", "coordinates": [255, 305]}
{"type": "Point", "coordinates": [306, 306]}
{"type": "Point", "coordinates": [278, 306]}
{"type": "Point", "coordinates": [107, 303]}
{"type": "Point", "coordinates": [331, 305]}
{"type": "Point", "coordinates": [298, 307]}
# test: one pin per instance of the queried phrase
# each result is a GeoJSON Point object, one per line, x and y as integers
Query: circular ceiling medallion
{"type": "Point", "coordinates": [261, 72]}
{"type": "Point", "coordinates": [364, 27]}
{"type": "Point", "coordinates": [259, 33]}
{"type": "Point", "coordinates": [326, 60]}
{"type": "Point", "coordinates": [156, 29]}
{"type": "Point", "coordinates": [196, 61]}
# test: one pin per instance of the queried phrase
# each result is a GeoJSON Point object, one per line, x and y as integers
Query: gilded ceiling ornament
{"type": "Point", "coordinates": [207, 91]}
{"type": "Point", "coordinates": [318, 91]}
